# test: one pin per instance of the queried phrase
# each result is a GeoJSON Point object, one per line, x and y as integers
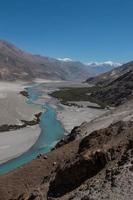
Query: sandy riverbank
{"type": "Point", "coordinates": [13, 106]}
{"type": "Point", "coordinates": [72, 116]}
{"type": "Point", "coordinates": [13, 109]}
{"type": "Point", "coordinates": [14, 143]}
{"type": "Point", "coordinates": [69, 116]}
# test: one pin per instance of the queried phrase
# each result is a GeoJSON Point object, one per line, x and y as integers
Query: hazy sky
{"type": "Point", "coordinates": [86, 30]}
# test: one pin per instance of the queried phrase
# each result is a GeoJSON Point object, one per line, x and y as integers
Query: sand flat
{"type": "Point", "coordinates": [13, 106]}
{"type": "Point", "coordinates": [15, 143]}
{"type": "Point", "coordinates": [13, 109]}
{"type": "Point", "coordinates": [72, 116]}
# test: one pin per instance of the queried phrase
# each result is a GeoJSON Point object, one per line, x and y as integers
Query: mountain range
{"type": "Point", "coordinates": [114, 87]}
{"type": "Point", "coordinates": [102, 67]}
{"type": "Point", "coordinates": [16, 64]}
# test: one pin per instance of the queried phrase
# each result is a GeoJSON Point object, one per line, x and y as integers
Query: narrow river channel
{"type": "Point", "coordinates": [51, 132]}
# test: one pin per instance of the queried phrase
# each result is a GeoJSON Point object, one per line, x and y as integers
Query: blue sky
{"type": "Point", "coordinates": [86, 30]}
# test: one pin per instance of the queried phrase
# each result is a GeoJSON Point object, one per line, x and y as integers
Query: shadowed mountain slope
{"type": "Point", "coordinates": [112, 75]}
{"type": "Point", "coordinates": [114, 87]}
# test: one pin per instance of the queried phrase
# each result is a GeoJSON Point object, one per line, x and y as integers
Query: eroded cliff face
{"type": "Point", "coordinates": [100, 166]}
{"type": "Point", "coordinates": [96, 152]}
{"type": "Point", "coordinates": [76, 172]}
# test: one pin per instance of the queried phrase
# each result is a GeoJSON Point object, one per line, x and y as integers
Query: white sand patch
{"type": "Point", "coordinates": [15, 143]}
{"type": "Point", "coordinates": [3, 95]}
{"type": "Point", "coordinates": [13, 109]}
{"type": "Point", "coordinates": [39, 80]}
{"type": "Point", "coordinates": [11, 86]}
{"type": "Point", "coordinates": [13, 106]}
{"type": "Point", "coordinates": [72, 116]}
{"type": "Point", "coordinates": [121, 113]}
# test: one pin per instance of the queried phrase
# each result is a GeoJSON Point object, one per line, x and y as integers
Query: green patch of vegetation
{"type": "Point", "coordinates": [66, 95]}
{"type": "Point", "coordinates": [11, 127]}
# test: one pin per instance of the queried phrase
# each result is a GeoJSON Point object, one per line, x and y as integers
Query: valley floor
{"type": "Point", "coordinates": [113, 181]}
{"type": "Point", "coordinates": [43, 177]}
{"type": "Point", "coordinates": [13, 109]}
{"type": "Point", "coordinates": [70, 116]}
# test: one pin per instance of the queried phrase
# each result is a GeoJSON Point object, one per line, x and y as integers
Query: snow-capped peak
{"type": "Point", "coordinates": [105, 63]}
{"type": "Point", "coordinates": [65, 59]}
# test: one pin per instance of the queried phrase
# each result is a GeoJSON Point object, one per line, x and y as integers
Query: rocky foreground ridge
{"type": "Point", "coordinates": [100, 157]}
{"type": "Point", "coordinates": [100, 166]}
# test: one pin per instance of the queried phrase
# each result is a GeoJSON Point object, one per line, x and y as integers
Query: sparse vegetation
{"type": "Point", "coordinates": [113, 94]}
{"type": "Point", "coordinates": [11, 127]}
{"type": "Point", "coordinates": [67, 95]}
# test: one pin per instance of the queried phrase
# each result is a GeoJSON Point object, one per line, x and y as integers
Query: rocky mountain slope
{"type": "Point", "coordinates": [112, 75]}
{"type": "Point", "coordinates": [98, 164]}
{"type": "Point", "coordinates": [17, 64]}
{"type": "Point", "coordinates": [117, 91]}
{"type": "Point", "coordinates": [114, 87]}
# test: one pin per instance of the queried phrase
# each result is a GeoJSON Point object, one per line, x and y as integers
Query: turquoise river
{"type": "Point", "coordinates": [51, 132]}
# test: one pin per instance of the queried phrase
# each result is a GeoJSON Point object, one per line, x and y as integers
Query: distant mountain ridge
{"type": "Point", "coordinates": [102, 67]}
{"type": "Point", "coordinates": [16, 64]}
{"type": "Point", "coordinates": [96, 68]}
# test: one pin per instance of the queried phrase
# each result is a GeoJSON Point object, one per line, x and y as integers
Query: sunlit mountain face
{"type": "Point", "coordinates": [17, 64]}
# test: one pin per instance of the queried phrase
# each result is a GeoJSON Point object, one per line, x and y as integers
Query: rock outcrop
{"type": "Point", "coordinates": [76, 172]}
{"type": "Point", "coordinates": [96, 151]}
{"type": "Point", "coordinates": [75, 134]}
